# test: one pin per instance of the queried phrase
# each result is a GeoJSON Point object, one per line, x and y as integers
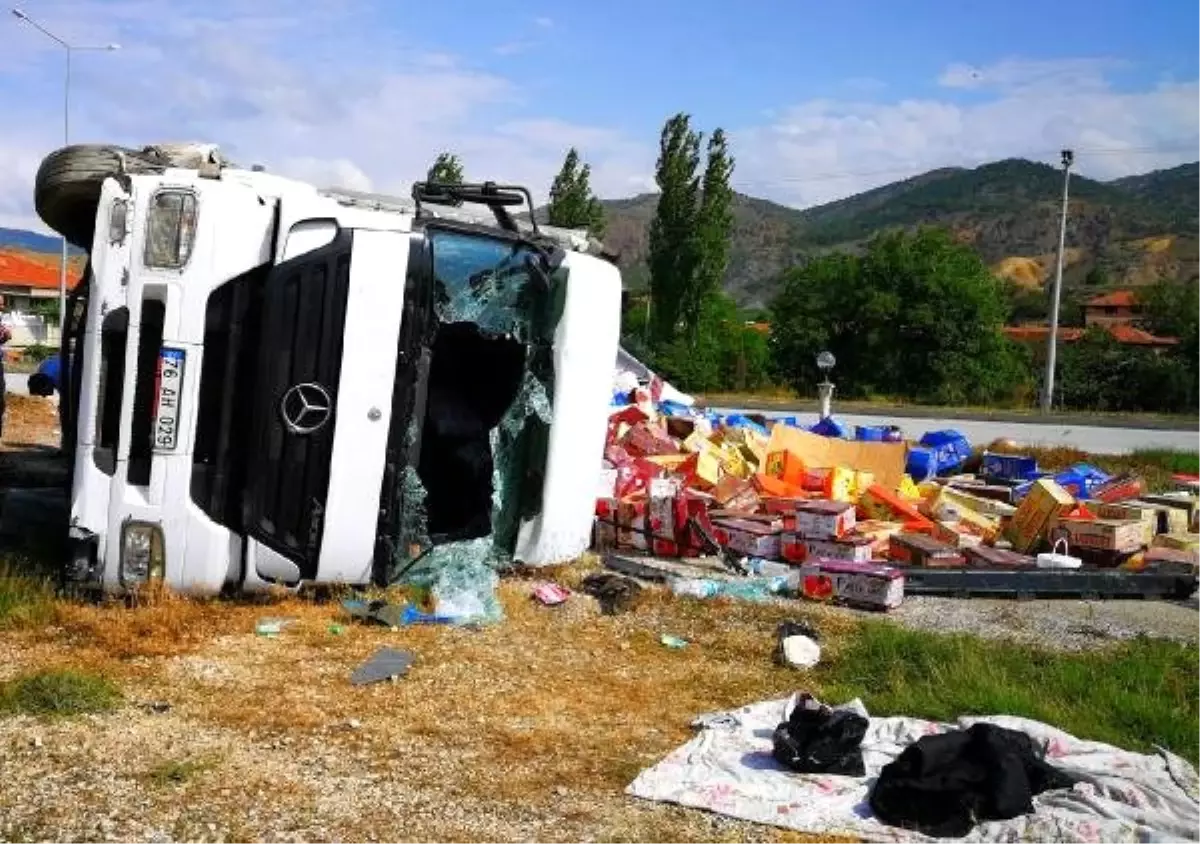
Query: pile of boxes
{"type": "Point", "coordinates": [680, 483]}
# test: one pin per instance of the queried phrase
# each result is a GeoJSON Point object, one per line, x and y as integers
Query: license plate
{"type": "Point", "coordinates": [170, 390]}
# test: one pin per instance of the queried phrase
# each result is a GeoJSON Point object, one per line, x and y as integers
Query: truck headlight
{"type": "Point", "coordinates": [142, 553]}
{"type": "Point", "coordinates": [170, 229]}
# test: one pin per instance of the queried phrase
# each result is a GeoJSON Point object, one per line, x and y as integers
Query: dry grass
{"type": "Point", "coordinates": [530, 728]}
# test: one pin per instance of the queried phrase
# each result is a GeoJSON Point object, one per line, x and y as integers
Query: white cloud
{"type": "Point", "coordinates": [544, 22]}
{"type": "Point", "coordinates": [513, 48]}
{"type": "Point", "coordinates": [821, 150]}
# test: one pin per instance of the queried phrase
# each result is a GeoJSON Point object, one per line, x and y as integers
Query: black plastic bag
{"type": "Point", "coordinates": [818, 740]}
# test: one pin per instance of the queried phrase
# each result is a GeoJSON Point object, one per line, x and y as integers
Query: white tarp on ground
{"type": "Point", "coordinates": [728, 768]}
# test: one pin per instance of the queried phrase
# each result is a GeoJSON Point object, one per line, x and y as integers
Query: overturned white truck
{"type": "Point", "coordinates": [267, 383]}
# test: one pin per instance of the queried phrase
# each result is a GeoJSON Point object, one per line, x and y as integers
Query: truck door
{"type": "Point", "coordinates": [299, 368]}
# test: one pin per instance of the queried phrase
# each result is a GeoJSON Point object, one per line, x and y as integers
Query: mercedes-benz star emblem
{"type": "Point", "coordinates": [306, 408]}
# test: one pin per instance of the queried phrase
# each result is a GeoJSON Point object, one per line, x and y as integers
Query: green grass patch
{"type": "Point", "coordinates": [1133, 695]}
{"type": "Point", "coordinates": [25, 599]}
{"type": "Point", "coordinates": [59, 693]}
{"type": "Point", "coordinates": [1169, 459]}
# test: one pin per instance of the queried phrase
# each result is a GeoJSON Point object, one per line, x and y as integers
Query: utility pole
{"type": "Point", "coordinates": [1068, 158]}
{"type": "Point", "coordinates": [68, 48]}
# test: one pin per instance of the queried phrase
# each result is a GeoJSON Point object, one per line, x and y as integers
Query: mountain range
{"type": "Point", "coordinates": [1127, 232]}
{"type": "Point", "coordinates": [1132, 231]}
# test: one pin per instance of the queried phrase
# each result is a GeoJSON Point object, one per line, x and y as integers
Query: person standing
{"type": "Point", "coordinates": [5, 336]}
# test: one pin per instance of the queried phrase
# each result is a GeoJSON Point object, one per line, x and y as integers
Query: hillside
{"type": "Point", "coordinates": [1134, 230]}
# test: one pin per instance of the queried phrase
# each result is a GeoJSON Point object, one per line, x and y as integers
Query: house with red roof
{"type": "Point", "coordinates": [1120, 307]}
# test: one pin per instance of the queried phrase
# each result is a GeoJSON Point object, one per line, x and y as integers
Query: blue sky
{"type": "Point", "coordinates": [821, 100]}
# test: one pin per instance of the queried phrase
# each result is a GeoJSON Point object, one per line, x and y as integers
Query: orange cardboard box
{"type": "Point", "coordinates": [786, 466]}
{"type": "Point", "coordinates": [773, 487]}
{"type": "Point", "coordinates": [882, 504]}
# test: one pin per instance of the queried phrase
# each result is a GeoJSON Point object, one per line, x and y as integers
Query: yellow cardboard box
{"type": "Point", "coordinates": [1129, 512]}
{"type": "Point", "coordinates": [1038, 511]}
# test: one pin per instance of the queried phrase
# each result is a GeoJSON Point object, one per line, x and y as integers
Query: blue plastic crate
{"type": "Point", "coordinates": [921, 463]}
{"type": "Point", "coordinates": [1009, 467]}
{"type": "Point", "coordinates": [951, 448]}
{"type": "Point", "coordinates": [870, 433]}
{"type": "Point", "coordinates": [737, 420]}
{"type": "Point", "coordinates": [1082, 479]}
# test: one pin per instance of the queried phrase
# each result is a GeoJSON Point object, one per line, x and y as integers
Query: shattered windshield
{"type": "Point", "coordinates": [483, 432]}
{"type": "Point", "coordinates": [484, 280]}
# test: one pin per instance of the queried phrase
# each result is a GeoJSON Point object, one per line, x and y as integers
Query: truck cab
{"type": "Point", "coordinates": [269, 384]}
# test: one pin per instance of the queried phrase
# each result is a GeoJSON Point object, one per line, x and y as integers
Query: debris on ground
{"type": "Point", "coordinates": [272, 627]}
{"type": "Point", "coordinates": [550, 594]}
{"type": "Point", "coordinates": [384, 664]}
{"type": "Point", "coordinates": [673, 642]}
{"type": "Point", "coordinates": [797, 644]}
{"type": "Point", "coordinates": [863, 515]}
{"type": "Point", "coordinates": [615, 593]}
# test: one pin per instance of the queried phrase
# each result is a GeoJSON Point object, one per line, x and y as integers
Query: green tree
{"type": "Point", "coordinates": [1097, 276]}
{"type": "Point", "coordinates": [725, 354]}
{"type": "Point", "coordinates": [447, 168]}
{"type": "Point", "coordinates": [572, 203]}
{"type": "Point", "coordinates": [1171, 309]}
{"type": "Point", "coordinates": [672, 249]}
{"type": "Point", "coordinates": [917, 316]}
{"type": "Point", "coordinates": [714, 228]}
{"type": "Point", "coordinates": [1099, 373]}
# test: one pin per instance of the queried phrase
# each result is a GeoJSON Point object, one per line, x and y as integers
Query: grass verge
{"type": "Point", "coordinates": [1134, 695]}
{"type": "Point", "coordinates": [59, 692]}
{"type": "Point", "coordinates": [26, 600]}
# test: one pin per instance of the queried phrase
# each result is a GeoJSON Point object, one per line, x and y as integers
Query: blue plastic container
{"type": "Point", "coordinates": [870, 433]}
{"type": "Point", "coordinates": [951, 448]}
{"type": "Point", "coordinates": [1009, 467]}
{"type": "Point", "coordinates": [1081, 479]}
{"type": "Point", "coordinates": [921, 464]}
{"type": "Point", "coordinates": [737, 420]}
{"type": "Point", "coordinates": [830, 427]}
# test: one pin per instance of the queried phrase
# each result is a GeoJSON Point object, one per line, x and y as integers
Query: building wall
{"type": "Point", "coordinates": [30, 330]}
{"type": "Point", "coordinates": [1109, 315]}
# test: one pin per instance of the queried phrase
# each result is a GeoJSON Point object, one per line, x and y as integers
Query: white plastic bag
{"type": "Point", "coordinates": [1055, 560]}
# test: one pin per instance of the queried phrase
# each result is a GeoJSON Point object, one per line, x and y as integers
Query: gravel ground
{"type": "Point", "coordinates": [1060, 624]}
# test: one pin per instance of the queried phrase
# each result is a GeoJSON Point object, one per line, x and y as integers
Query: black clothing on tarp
{"type": "Point", "coordinates": [818, 740]}
{"type": "Point", "coordinates": [944, 784]}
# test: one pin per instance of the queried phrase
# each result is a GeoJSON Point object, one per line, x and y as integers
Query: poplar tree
{"type": "Point", "coordinates": [572, 203]}
{"type": "Point", "coordinates": [673, 255]}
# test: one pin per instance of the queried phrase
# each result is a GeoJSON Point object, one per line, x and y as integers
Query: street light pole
{"type": "Point", "coordinates": [1068, 158]}
{"type": "Point", "coordinates": [68, 48]}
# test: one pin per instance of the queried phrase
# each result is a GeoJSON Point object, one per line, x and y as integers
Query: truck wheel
{"type": "Point", "coordinates": [67, 189]}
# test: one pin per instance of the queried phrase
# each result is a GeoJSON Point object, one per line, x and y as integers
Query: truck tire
{"type": "Point", "coordinates": [67, 188]}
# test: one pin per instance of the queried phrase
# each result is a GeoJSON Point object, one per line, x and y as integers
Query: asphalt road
{"type": "Point", "coordinates": [1095, 439]}
{"type": "Point", "coordinates": [1091, 438]}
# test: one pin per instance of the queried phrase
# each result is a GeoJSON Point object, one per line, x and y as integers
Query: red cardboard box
{"type": "Point", "coordinates": [824, 519]}
{"type": "Point", "coordinates": [854, 549]}
{"type": "Point", "coordinates": [869, 585]}
{"type": "Point", "coordinates": [746, 537]}
{"type": "Point", "coordinates": [664, 539]}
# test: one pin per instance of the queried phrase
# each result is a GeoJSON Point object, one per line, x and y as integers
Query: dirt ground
{"type": "Point", "coordinates": [526, 730]}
